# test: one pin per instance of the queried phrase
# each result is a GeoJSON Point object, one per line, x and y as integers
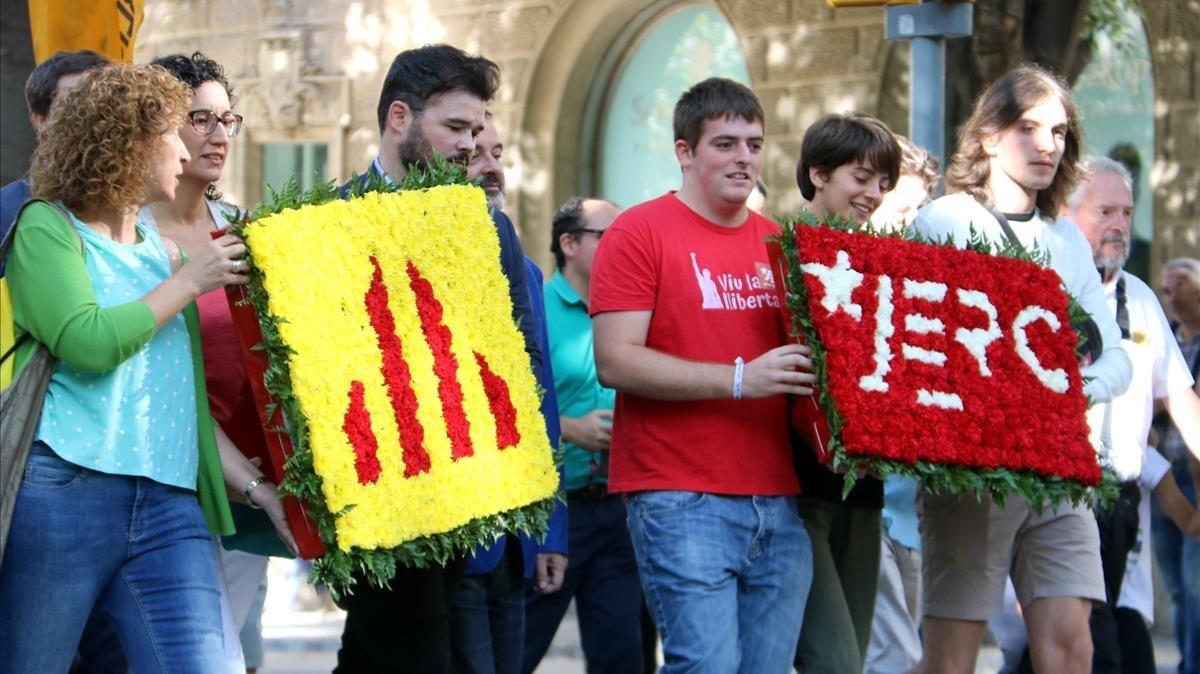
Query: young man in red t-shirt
{"type": "Point", "coordinates": [687, 331]}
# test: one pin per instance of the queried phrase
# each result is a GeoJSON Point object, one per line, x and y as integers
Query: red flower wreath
{"type": "Point", "coordinates": [955, 366]}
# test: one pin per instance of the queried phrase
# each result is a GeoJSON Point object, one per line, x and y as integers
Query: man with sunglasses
{"type": "Point", "coordinates": [49, 79]}
{"type": "Point", "coordinates": [602, 577]}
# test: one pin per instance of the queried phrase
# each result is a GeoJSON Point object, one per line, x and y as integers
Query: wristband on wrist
{"type": "Point", "coordinates": [250, 488]}
{"type": "Point", "coordinates": [739, 368]}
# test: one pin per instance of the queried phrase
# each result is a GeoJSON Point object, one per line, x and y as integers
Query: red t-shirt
{"type": "Point", "coordinates": [712, 296]}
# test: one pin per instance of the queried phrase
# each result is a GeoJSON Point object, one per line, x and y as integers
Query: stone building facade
{"type": "Point", "coordinates": [1173, 31]}
{"type": "Point", "coordinates": [310, 72]}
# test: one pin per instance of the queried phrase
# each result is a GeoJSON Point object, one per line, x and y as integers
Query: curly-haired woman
{"type": "Point", "coordinates": [189, 219]}
{"type": "Point", "coordinates": [108, 515]}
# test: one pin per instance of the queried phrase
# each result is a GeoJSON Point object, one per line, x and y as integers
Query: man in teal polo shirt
{"type": "Point", "coordinates": [587, 412]}
{"type": "Point", "coordinates": [602, 576]}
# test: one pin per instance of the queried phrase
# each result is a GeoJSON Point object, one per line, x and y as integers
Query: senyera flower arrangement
{"type": "Point", "coordinates": [958, 367]}
{"type": "Point", "coordinates": [397, 372]}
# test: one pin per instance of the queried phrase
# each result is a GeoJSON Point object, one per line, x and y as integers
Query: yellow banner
{"type": "Point", "coordinates": [105, 26]}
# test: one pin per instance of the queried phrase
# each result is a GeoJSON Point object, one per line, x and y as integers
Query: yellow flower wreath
{"type": "Point", "coordinates": [319, 265]}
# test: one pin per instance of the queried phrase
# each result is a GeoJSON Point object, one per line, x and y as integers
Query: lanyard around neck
{"type": "Point", "coordinates": [1122, 309]}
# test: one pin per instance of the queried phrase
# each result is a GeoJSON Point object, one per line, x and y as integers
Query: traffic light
{"type": "Point", "coordinates": [870, 3]}
{"type": "Point", "coordinates": [881, 3]}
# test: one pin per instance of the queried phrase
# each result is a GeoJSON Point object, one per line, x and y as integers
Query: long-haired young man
{"type": "Point", "coordinates": [1017, 161]}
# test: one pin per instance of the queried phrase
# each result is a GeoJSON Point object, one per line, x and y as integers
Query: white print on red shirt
{"type": "Point", "coordinates": [765, 276]}
{"type": "Point", "coordinates": [733, 292]}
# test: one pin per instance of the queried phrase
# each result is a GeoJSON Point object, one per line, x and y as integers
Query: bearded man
{"type": "Point", "coordinates": [1102, 206]}
{"type": "Point", "coordinates": [432, 103]}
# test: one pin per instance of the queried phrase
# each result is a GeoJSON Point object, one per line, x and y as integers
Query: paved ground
{"type": "Point", "coordinates": [306, 641]}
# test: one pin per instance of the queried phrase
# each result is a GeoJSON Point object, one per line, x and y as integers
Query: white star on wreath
{"type": "Point", "coordinates": [840, 281]}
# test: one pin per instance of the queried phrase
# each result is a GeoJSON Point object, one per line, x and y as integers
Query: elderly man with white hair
{"type": "Point", "coordinates": [1178, 557]}
{"type": "Point", "coordinates": [1102, 207]}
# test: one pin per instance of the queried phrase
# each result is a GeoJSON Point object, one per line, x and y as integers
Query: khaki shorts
{"type": "Point", "coordinates": [969, 547]}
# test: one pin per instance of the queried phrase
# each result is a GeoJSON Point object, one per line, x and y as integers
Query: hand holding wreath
{"type": "Point", "coordinates": [784, 369]}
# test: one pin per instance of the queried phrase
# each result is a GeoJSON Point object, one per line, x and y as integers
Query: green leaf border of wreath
{"type": "Point", "coordinates": [338, 569]}
{"type": "Point", "coordinates": [998, 483]}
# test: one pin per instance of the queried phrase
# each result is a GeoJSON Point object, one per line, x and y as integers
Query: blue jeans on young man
{"type": "Point", "coordinates": [726, 578]}
{"type": "Point", "coordinates": [137, 551]}
{"type": "Point", "coordinates": [1178, 560]}
{"type": "Point", "coordinates": [602, 579]}
{"type": "Point", "coordinates": [488, 618]}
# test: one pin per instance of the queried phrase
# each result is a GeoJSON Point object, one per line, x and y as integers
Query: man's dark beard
{"type": "Point", "coordinates": [415, 151]}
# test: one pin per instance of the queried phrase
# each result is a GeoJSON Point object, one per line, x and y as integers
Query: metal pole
{"type": "Point", "coordinates": [927, 26]}
{"type": "Point", "coordinates": [927, 93]}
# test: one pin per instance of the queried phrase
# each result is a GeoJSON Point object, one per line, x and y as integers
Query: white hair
{"type": "Point", "coordinates": [1093, 165]}
{"type": "Point", "coordinates": [1187, 265]}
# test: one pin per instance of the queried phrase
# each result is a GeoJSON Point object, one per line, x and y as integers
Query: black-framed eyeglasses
{"type": "Point", "coordinates": [205, 122]}
{"type": "Point", "coordinates": [598, 232]}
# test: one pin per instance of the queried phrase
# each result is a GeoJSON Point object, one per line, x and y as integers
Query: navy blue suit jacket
{"type": "Point", "coordinates": [486, 558]}
{"type": "Point", "coordinates": [12, 196]}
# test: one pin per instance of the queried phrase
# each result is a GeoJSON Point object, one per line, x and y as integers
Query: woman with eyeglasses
{"type": "Point", "coordinates": [189, 219]}
{"type": "Point", "coordinates": [122, 486]}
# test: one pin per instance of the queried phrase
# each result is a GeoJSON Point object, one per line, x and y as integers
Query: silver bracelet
{"type": "Point", "coordinates": [250, 487]}
{"type": "Point", "coordinates": [739, 368]}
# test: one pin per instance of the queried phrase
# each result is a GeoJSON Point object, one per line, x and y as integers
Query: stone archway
{"type": "Point", "coordinates": [550, 134]}
{"type": "Point", "coordinates": [804, 59]}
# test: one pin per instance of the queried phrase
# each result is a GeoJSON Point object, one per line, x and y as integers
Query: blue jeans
{"type": "Point", "coordinates": [726, 578]}
{"type": "Point", "coordinates": [487, 618]}
{"type": "Point", "coordinates": [99, 649]}
{"type": "Point", "coordinates": [1178, 560]}
{"type": "Point", "coordinates": [137, 551]}
{"type": "Point", "coordinates": [602, 578]}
